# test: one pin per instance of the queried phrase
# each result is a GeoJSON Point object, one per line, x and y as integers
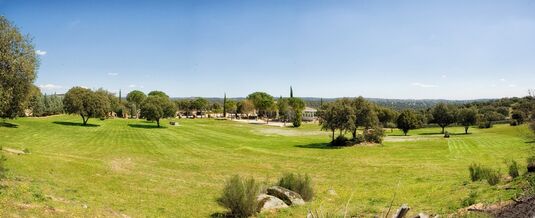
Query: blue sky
{"type": "Point", "coordinates": [387, 49]}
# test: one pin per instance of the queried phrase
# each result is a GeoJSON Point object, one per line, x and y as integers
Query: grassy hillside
{"type": "Point", "coordinates": [126, 167]}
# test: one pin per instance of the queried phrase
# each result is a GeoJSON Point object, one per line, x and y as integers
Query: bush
{"type": "Point", "coordinates": [374, 135]}
{"type": "Point", "coordinates": [446, 134]}
{"type": "Point", "coordinates": [513, 169]}
{"type": "Point", "coordinates": [239, 196]}
{"type": "Point", "coordinates": [470, 200]}
{"type": "Point", "coordinates": [359, 139]}
{"type": "Point", "coordinates": [301, 184]}
{"type": "Point", "coordinates": [513, 123]}
{"type": "Point", "coordinates": [340, 141]}
{"type": "Point", "coordinates": [492, 176]}
{"type": "Point", "coordinates": [476, 172]}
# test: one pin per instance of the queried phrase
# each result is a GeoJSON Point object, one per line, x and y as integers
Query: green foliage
{"type": "Point", "coordinates": [467, 117]}
{"type": "Point", "coordinates": [135, 98]}
{"type": "Point", "coordinates": [340, 141]}
{"type": "Point", "coordinates": [158, 93]}
{"type": "Point", "coordinates": [518, 116]}
{"type": "Point", "coordinates": [469, 200]}
{"type": "Point", "coordinates": [156, 107]}
{"type": "Point", "coordinates": [86, 103]}
{"type": "Point", "coordinates": [407, 120]}
{"type": "Point", "coordinates": [374, 135]}
{"type": "Point", "coordinates": [18, 69]}
{"type": "Point", "coordinates": [476, 172]}
{"type": "Point", "coordinates": [239, 196]}
{"type": "Point", "coordinates": [492, 176]}
{"type": "Point", "coordinates": [513, 169]}
{"type": "Point", "coordinates": [297, 119]}
{"type": "Point", "coordinates": [245, 107]}
{"type": "Point", "coordinates": [443, 115]}
{"type": "Point", "coordinates": [261, 101]}
{"type": "Point", "coordinates": [301, 184]}
{"type": "Point", "coordinates": [200, 104]}
{"type": "Point", "coordinates": [386, 116]}
{"type": "Point", "coordinates": [284, 109]}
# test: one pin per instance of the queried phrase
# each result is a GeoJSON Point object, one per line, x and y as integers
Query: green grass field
{"type": "Point", "coordinates": [126, 167]}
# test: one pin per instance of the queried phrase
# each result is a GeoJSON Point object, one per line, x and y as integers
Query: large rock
{"type": "Point", "coordinates": [268, 202]}
{"type": "Point", "coordinates": [289, 197]}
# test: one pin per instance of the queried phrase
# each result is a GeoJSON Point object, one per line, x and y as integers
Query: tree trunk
{"type": "Point", "coordinates": [466, 130]}
{"type": "Point", "coordinates": [158, 122]}
{"type": "Point", "coordinates": [84, 121]}
{"type": "Point", "coordinates": [333, 135]}
{"type": "Point", "coordinates": [443, 129]}
{"type": "Point", "coordinates": [405, 132]}
{"type": "Point", "coordinates": [354, 133]}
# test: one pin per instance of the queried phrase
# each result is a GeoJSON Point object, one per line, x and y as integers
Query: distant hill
{"type": "Point", "coordinates": [397, 104]}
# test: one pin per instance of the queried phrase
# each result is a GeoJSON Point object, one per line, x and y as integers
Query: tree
{"type": "Point", "coordinates": [262, 102]}
{"type": "Point", "coordinates": [518, 116]}
{"type": "Point", "coordinates": [334, 116]}
{"type": "Point", "coordinates": [185, 106]}
{"type": "Point", "coordinates": [407, 120]}
{"type": "Point", "coordinates": [225, 105]}
{"type": "Point", "coordinates": [86, 103]}
{"type": "Point", "coordinates": [158, 93]}
{"type": "Point", "coordinates": [231, 107]}
{"type": "Point", "coordinates": [114, 101]}
{"type": "Point", "coordinates": [245, 107]}
{"type": "Point", "coordinates": [200, 104]}
{"type": "Point", "coordinates": [443, 115]}
{"type": "Point", "coordinates": [18, 69]}
{"type": "Point", "coordinates": [467, 117]}
{"type": "Point", "coordinates": [284, 109]}
{"type": "Point", "coordinates": [364, 115]}
{"type": "Point", "coordinates": [387, 117]}
{"type": "Point", "coordinates": [156, 107]}
{"type": "Point", "coordinates": [135, 98]}
{"type": "Point", "coordinates": [36, 103]}
{"type": "Point", "coordinates": [297, 106]}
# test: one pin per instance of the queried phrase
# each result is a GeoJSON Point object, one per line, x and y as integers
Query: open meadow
{"type": "Point", "coordinates": [124, 167]}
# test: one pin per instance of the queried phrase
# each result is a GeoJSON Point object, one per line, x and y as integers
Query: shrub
{"type": "Point", "coordinates": [340, 141]}
{"type": "Point", "coordinates": [374, 135]}
{"type": "Point", "coordinates": [301, 184]}
{"type": "Point", "coordinates": [239, 196]}
{"type": "Point", "coordinates": [476, 172]}
{"type": "Point", "coordinates": [513, 123]}
{"type": "Point", "coordinates": [446, 134]}
{"type": "Point", "coordinates": [513, 169]}
{"type": "Point", "coordinates": [470, 200]}
{"type": "Point", "coordinates": [359, 139]}
{"type": "Point", "coordinates": [492, 176]}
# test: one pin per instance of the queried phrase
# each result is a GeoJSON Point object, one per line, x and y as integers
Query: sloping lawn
{"type": "Point", "coordinates": [128, 168]}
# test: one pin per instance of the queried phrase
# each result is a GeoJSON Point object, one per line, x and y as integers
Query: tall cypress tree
{"type": "Point", "coordinates": [291, 92]}
{"type": "Point", "coordinates": [225, 105]}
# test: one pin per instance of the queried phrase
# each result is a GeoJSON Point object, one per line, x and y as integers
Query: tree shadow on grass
{"type": "Point", "coordinates": [66, 123]}
{"type": "Point", "coordinates": [146, 126]}
{"type": "Point", "coordinates": [451, 133]}
{"type": "Point", "coordinates": [319, 146]}
{"type": "Point", "coordinates": [220, 215]}
{"type": "Point", "coordinates": [8, 125]}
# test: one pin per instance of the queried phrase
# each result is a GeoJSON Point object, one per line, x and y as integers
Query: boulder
{"type": "Point", "coordinates": [289, 197]}
{"type": "Point", "coordinates": [268, 202]}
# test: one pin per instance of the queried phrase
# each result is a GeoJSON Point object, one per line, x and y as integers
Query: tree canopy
{"type": "Point", "coordinates": [86, 103]}
{"type": "Point", "coordinates": [262, 102]}
{"type": "Point", "coordinates": [467, 117]}
{"type": "Point", "coordinates": [156, 107]}
{"type": "Point", "coordinates": [18, 69]}
{"type": "Point", "coordinates": [407, 120]}
{"type": "Point", "coordinates": [443, 115]}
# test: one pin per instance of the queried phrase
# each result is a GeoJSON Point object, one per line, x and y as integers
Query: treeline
{"type": "Point", "coordinates": [347, 115]}
{"type": "Point", "coordinates": [43, 105]}
{"type": "Point", "coordinates": [397, 104]}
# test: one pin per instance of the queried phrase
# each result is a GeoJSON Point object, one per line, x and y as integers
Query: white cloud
{"type": "Point", "coordinates": [135, 86]}
{"type": "Point", "coordinates": [40, 52]}
{"type": "Point", "coordinates": [49, 87]}
{"type": "Point", "coordinates": [502, 80]}
{"type": "Point", "coordinates": [512, 85]}
{"type": "Point", "coordinates": [421, 85]}
{"type": "Point", "coordinates": [113, 74]}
